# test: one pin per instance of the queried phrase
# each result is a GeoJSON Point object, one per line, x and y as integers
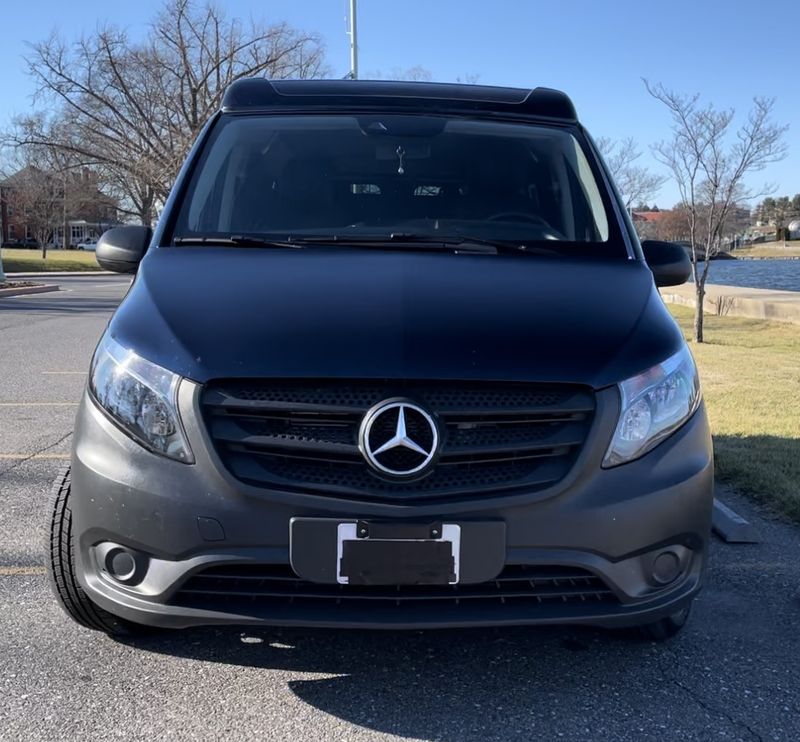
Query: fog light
{"type": "Point", "coordinates": [123, 565]}
{"type": "Point", "coordinates": [666, 567]}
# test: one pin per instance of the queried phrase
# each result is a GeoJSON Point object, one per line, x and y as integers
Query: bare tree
{"type": "Point", "coordinates": [636, 184]}
{"type": "Point", "coordinates": [36, 196]}
{"type": "Point", "coordinates": [417, 73]}
{"type": "Point", "coordinates": [779, 211]}
{"type": "Point", "coordinates": [133, 109]}
{"type": "Point", "coordinates": [673, 226]}
{"type": "Point", "coordinates": [49, 186]}
{"type": "Point", "coordinates": [709, 162]}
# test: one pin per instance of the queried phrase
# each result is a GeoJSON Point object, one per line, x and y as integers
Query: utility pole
{"type": "Point", "coordinates": [353, 34]}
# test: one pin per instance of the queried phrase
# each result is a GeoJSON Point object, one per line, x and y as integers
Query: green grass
{"type": "Point", "coordinates": [750, 373]}
{"type": "Point", "coordinates": [770, 250]}
{"type": "Point", "coordinates": [30, 261]}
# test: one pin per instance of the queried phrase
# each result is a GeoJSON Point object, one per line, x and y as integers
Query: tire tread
{"type": "Point", "coordinates": [60, 549]}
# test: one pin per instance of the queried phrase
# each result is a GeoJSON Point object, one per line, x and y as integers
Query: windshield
{"type": "Point", "coordinates": [384, 176]}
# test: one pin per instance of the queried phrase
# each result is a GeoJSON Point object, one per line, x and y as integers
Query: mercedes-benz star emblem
{"type": "Point", "coordinates": [398, 438]}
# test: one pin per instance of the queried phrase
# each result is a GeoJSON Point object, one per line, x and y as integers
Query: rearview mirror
{"type": "Point", "coordinates": [122, 248]}
{"type": "Point", "coordinates": [668, 261]}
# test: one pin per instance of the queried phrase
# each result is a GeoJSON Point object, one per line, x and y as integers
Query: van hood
{"type": "Point", "coordinates": [209, 313]}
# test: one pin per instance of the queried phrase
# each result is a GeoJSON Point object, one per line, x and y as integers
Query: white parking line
{"type": "Point", "coordinates": [38, 456]}
{"type": "Point", "coordinates": [16, 571]}
{"type": "Point", "coordinates": [47, 294]}
{"type": "Point", "coordinates": [63, 291]}
{"type": "Point", "coordinates": [39, 404]}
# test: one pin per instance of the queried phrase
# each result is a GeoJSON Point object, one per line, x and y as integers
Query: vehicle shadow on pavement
{"type": "Point", "coordinates": [443, 685]}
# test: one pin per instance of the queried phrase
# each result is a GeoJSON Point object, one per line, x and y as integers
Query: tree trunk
{"type": "Point", "coordinates": [146, 211]}
{"type": "Point", "coordinates": [146, 216]}
{"type": "Point", "coordinates": [66, 238]}
{"type": "Point", "coordinates": [700, 295]}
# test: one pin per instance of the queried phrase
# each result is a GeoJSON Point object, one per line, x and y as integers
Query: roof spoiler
{"type": "Point", "coordinates": [260, 93]}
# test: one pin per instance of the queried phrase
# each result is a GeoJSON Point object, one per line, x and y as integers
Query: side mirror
{"type": "Point", "coordinates": [668, 261]}
{"type": "Point", "coordinates": [120, 249]}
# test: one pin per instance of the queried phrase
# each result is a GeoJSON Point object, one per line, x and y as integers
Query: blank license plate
{"type": "Point", "coordinates": [397, 561]}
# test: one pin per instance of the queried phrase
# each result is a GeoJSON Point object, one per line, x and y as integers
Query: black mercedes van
{"type": "Point", "coordinates": [393, 357]}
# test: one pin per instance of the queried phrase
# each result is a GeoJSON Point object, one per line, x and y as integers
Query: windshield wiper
{"type": "Point", "coordinates": [404, 240]}
{"type": "Point", "coordinates": [236, 240]}
{"type": "Point", "coordinates": [398, 241]}
{"type": "Point", "coordinates": [460, 242]}
{"type": "Point", "coordinates": [391, 241]}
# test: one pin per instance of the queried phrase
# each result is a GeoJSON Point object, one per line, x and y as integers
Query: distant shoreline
{"type": "Point", "coordinates": [765, 257]}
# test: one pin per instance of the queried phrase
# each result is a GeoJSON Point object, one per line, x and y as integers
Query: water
{"type": "Point", "coordinates": [781, 275]}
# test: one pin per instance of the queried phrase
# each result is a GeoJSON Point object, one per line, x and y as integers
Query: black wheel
{"type": "Point", "coordinates": [667, 627]}
{"type": "Point", "coordinates": [61, 569]}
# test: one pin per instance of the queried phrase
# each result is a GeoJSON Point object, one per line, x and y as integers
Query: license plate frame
{"type": "Point", "coordinates": [450, 533]}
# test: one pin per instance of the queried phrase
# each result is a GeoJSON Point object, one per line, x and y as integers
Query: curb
{"type": "Point", "coordinates": [58, 274]}
{"type": "Point", "coordinates": [730, 526]}
{"type": "Point", "coordinates": [23, 290]}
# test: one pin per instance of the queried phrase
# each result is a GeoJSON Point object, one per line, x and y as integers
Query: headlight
{"type": "Point", "coordinates": [141, 397]}
{"type": "Point", "coordinates": [654, 404]}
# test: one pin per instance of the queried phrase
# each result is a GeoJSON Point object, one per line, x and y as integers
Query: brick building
{"type": "Point", "coordinates": [74, 200]}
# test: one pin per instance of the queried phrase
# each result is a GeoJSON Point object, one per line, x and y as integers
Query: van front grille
{"type": "Point", "coordinates": [303, 436]}
{"type": "Point", "coordinates": [243, 587]}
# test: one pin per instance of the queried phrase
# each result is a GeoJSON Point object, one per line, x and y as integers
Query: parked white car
{"type": "Point", "coordinates": [89, 244]}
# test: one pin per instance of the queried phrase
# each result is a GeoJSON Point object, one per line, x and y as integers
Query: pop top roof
{"type": "Point", "coordinates": [260, 93]}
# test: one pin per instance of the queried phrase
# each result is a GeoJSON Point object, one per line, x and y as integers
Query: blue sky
{"type": "Point", "coordinates": [596, 51]}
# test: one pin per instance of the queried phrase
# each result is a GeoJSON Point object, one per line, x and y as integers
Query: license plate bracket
{"type": "Point", "coordinates": [313, 545]}
{"type": "Point", "coordinates": [398, 554]}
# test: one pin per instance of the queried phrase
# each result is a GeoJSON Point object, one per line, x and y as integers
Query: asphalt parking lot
{"type": "Point", "coordinates": [733, 674]}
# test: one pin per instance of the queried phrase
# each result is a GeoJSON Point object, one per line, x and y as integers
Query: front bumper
{"type": "Point", "coordinates": [187, 519]}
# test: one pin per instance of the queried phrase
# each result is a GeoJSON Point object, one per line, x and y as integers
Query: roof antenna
{"type": "Point", "coordinates": [401, 153]}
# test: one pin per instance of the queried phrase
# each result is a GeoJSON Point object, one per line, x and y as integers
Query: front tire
{"type": "Point", "coordinates": [667, 627]}
{"type": "Point", "coordinates": [60, 548]}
